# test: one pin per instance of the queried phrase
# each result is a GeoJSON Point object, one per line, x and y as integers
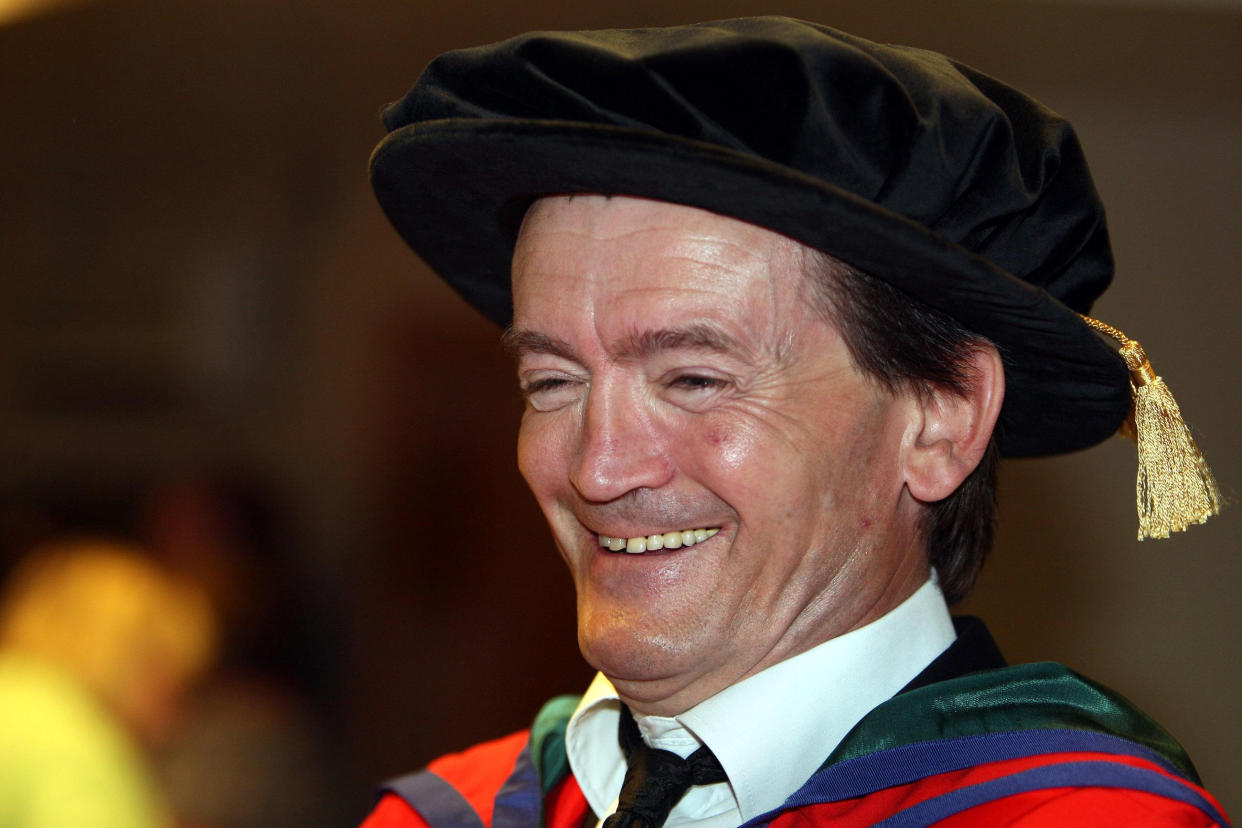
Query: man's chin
{"type": "Point", "coordinates": [646, 667]}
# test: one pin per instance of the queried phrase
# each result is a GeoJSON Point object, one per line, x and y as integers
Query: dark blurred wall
{"type": "Point", "coordinates": [194, 276]}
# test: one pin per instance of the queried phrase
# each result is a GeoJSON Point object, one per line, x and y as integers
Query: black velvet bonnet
{"type": "Point", "coordinates": [960, 191]}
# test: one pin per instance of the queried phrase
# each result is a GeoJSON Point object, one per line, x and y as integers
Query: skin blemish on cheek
{"type": "Point", "coordinates": [864, 523]}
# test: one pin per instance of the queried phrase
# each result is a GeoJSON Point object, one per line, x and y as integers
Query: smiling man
{"type": "Point", "coordinates": [681, 382]}
{"type": "Point", "coordinates": [777, 297]}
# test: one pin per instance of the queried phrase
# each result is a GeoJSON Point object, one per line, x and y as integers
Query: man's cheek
{"type": "Point", "coordinates": [734, 442]}
{"type": "Point", "coordinates": [542, 451]}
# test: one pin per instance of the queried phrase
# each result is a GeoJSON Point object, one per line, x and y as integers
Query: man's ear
{"type": "Point", "coordinates": [953, 432]}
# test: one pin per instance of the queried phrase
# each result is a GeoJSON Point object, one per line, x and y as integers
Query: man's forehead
{"type": "Point", "coordinates": [658, 245]}
{"type": "Point", "coordinates": [653, 277]}
{"type": "Point", "coordinates": [674, 229]}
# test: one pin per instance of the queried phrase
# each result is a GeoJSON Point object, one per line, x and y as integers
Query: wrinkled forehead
{"type": "Point", "coordinates": [626, 274]}
{"type": "Point", "coordinates": [657, 244]}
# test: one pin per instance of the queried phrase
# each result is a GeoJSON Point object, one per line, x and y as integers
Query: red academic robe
{"type": "Point", "coordinates": [965, 745]}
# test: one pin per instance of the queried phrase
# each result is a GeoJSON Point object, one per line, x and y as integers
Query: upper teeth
{"type": "Point", "coordinates": [669, 540]}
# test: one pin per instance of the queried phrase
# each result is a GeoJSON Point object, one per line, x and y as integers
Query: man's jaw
{"type": "Point", "coordinates": [654, 543]}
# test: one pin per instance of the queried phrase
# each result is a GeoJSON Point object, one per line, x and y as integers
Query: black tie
{"type": "Point", "coordinates": [656, 780]}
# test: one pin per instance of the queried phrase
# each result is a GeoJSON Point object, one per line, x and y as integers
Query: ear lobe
{"type": "Point", "coordinates": [953, 433]}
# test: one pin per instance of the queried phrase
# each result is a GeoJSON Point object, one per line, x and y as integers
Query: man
{"type": "Point", "coordinates": [777, 296]}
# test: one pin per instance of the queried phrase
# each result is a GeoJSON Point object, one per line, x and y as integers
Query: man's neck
{"type": "Point", "coordinates": [672, 696]}
{"type": "Point", "coordinates": [804, 704]}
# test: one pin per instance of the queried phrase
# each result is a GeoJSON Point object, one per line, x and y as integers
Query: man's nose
{"type": "Point", "coordinates": [619, 448]}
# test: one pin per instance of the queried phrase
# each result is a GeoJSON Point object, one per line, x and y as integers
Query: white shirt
{"type": "Point", "coordinates": [772, 730]}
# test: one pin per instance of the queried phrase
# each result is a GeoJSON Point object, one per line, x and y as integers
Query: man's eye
{"type": "Point", "coordinates": [694, 391]}
{"type": "Point", "coordinates": [697, 382]}
{"type": "Point", "coordinates": [549, 393]}
{"type": "Point", "coordinates": [546, 384]}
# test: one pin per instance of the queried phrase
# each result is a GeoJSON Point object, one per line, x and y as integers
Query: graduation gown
{"type": "Point", "coordinates": [968, 743]}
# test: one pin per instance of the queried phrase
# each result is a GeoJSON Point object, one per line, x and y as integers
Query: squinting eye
{"type": "Point", "coordinates": [550, 393]}
{"type": "Point", "coordinates": [547, 384]}
{"type": "Point", "coordinates": [694, 392]}
{"type": "Point", "coordinates": [697, 382]}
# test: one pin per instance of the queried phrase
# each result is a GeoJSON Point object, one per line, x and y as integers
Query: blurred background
{"type": "Point", "coordinates": [212, 346]}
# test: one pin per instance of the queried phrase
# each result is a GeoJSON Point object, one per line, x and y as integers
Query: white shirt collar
{"type": "Point", "coordinates": [772, 730]}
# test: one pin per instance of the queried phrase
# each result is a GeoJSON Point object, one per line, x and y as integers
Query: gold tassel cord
{"type": "Point", "coordinates": [1175, 487]}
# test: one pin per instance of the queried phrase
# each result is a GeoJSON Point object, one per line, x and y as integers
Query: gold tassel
{"type": "Point", "coordinates": [1175, 487]}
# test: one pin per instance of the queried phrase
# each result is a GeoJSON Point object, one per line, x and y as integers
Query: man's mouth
{"type": "Point", "coordinates": [653, 543]}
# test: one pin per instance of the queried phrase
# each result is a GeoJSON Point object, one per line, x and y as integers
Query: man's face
{"type": "Point", "coordinates": [676, 379]}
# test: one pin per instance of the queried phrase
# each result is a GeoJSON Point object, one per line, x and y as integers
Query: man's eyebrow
{"type": "Point", "coordinates": [637, 345]}
{"type": "Point", "coordinates": [519, 341]}
{"type": "Point", "coordinates": [697, 335]}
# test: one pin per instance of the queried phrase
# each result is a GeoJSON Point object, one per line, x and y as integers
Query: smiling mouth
{"type": "Point", "coordinates": [653, 543]}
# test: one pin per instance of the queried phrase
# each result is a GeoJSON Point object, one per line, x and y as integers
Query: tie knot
{"type": "Point", "coordinates": [655, 779]}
